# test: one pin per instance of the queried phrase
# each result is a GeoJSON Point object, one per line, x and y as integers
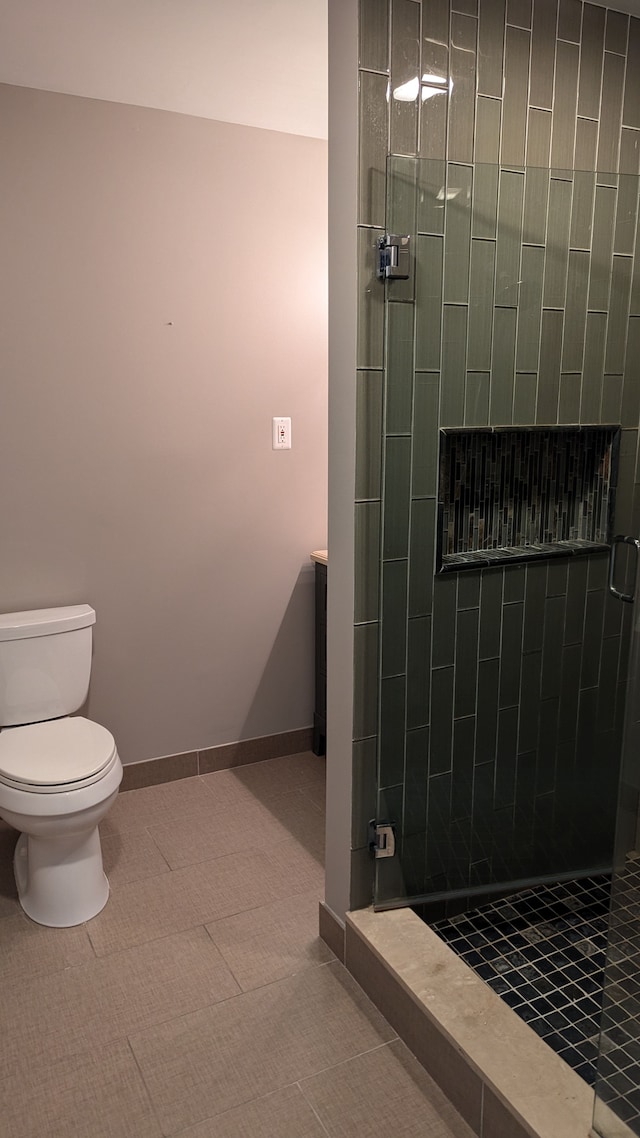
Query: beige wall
{"type": "Point", "coordinates": [162, 297]}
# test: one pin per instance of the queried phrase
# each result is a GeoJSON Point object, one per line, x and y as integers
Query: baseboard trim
{"type": "Point", "coordinates": [169, 768]}
{"type": "Point", "coordinates": [332, 930]}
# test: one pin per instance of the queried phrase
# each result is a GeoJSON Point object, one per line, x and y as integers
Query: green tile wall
{"type": "Point", "coordinates": [491, 699]}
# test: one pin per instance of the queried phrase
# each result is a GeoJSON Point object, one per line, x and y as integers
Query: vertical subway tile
{"type": "Point", "coordinates": [524, 398]}
{"type": "Point", "coordinates": [631, 380]}
{"type": "Point", "coordinates": [565, 99]}
{"type": "Point", "coordinates": [502, 368]}
{"type": "Point", "coordinates": [454, 336]}
{"type": "Point", "coordinates": [374, 146]}
{"type": "Point", "coordinates": [569, 692]}
{"type": "Point", "coordinates": [415, 791]}
{"type": "Point", "coordinates": [444, 621]}
{"type": "Point", "coordinates": [570, 20]}
{"type": "Point", "coordinates": [538, 137]}
{"type": "Point", "coordinates": [626, 214]}
{"type": "Point", "coordinates": [461, 785]}
{"type": "Point", "coordinates": [466, 663]}
{"type": "Point", "coordinates": [476, 399]}
{"type": "Point", "coordinates": [519, 13]}
{"type": "Point", "coordinates": [529, 700]}
{"type": "Point", "coordinates": [468, 596]}
{"type": "Point", "coordinates": [631, 109]}
{"type": "Point", "coordinates": [394, 618]}
{"type": "Point", "coordinates": [370, 303]}
{"type": "Point", "coordinates": [418, 672]}
{"type": "Point", "coordinates": [557, 577]}
{"type": "Point", "coordinates": [593, 367]}
{"type": "Point", "coordinates": [535, 593]}
{"type": "Point", "coordinates": [435, 21]}
{"type": "Point", "coordinates": [490, 613]}
{"type": "Point", "coordinates": [434, 100]}
{"type": "Point", "coordinates": [399, 376]}
{"type": "Point", "coordinates": [368, 434]}
{"type": "Point", "coordinates": [576, 597]}
{"type": "Point", "coordinates": [591, 61]}
{"type": "Point", "coordinates": [402, 194]}
{"type": "Point", "coordinates": [611, 112]}
{"type": "Point", "coordinates": [511, 654]}
{"type": "Point", "coordinates": [516, 87]}
{"type": "Point", "coordinates": [365, 776]}
{"type": "Point", "coordinates": [429, 263]}
{"type": "Point", "coordinates": [397, 493]}
{"type": "Point", "coordinates": [367, 560]}
{"type": "Point", "coordinates": [550, 361]}
{"type": "Point", "coordinates": [611, 404]}
{"type": "Point", "coordinates": [530, 310]}
{"type": "Point", "coordinates": [569, 402]}
{"type": "Point", "coordinates": [424, 471]}
{"type": "Point", "coordinates": [509, 240]}
{"type": "Point", "coordinates": [405, 79]}
{"type": "Point", "coordinates": [586, 144]}
{"type": "Point", "coordinates": [374, 34]}
{"type": "Point", "coordinates": [557, 251]}
{"type": "Point", "coordinates": [543, 44]}
{"type": "Point", "coordinates": [554, 611]}
{"type": "Point", "coordinates": [462, 92]}
{"type": "Point", "coordinates": [441, 735]}
{"type": "Point", "coordinates": [422, 556]}
{"type": "Point", "coordinates": [618, 315]}
{"type": "Point", "coordinates": [487, 143]}
{"type": "Point", "coordinates": [393, 697]}
{"type": "Point", "coordinates": [575, 322]}
{"type": "Point", "coordinates": [602, 249]}
{"type": "Point", "coordinates": [431, 195]}
{"type": "Point", "coordinates": [504, 788]}
{"type": "Point", "coordinates": [457, 235]}
{"type": "Point", "coordinates": [483, 258]}
{"type": "Point", "coordinates": [629, 151]}
{"type": "Point", "coordinates": [365, 680]}
{"type": "Point", "coordinates": [592, 643]}
{"type": "Point", "coordinates": [484, 218]}
{"type": "Point", "coordinates": [468, 7]}
{"type": "Point", "coordinates": [536, 198]}
{"type": "Point", "coordinates": [514, 583]}
{"type": "Point", "coordinates": [616, 32]}
{"type": "Point", "coordinates": [490, 46]}
{"type": "Point", "coordinates": [487, 713]}
{"type": "Point", "coordinates": [584, 188]}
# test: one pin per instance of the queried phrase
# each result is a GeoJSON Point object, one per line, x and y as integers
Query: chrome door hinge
{"type": "Point", "coordinates": [382, 839]}
{"type": "Point", "coordinates": [393, 257]}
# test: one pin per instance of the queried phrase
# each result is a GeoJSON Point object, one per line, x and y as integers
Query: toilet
{"type": "Point", "coordinates": [59, 773]}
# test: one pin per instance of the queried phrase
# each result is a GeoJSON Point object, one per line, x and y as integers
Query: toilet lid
{"type": "Point", "coordinates": [55, 752]}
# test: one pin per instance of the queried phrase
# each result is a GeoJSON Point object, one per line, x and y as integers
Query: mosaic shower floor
{"type": "Point", "coordinates": [543, 951]}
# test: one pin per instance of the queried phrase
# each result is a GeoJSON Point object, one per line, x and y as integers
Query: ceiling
{"type": "Point", "coordinates": [258, 62]}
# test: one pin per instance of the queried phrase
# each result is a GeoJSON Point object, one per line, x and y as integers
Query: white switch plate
{"type": "Point", "coordinates": [281, 438]}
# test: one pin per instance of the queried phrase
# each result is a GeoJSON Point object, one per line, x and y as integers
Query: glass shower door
{"type": "Point", "coordinates": [617, 1102]}
{"type": "Point", "coordinates": [501, 685]}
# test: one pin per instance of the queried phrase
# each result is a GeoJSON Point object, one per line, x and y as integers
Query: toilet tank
{"type": "Point", "coordinates": [45, 663]}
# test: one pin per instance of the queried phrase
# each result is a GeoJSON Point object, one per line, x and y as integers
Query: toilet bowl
{"type": "Point", "coordinates": [59, 774]}
{"type": "Point", "coordinates": [58, 859]}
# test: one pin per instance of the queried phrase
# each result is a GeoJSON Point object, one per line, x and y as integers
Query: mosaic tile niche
{"type": "Point", "coordinates": [516, 495]}
{"type": "Point", "coordinates": [488, 703]}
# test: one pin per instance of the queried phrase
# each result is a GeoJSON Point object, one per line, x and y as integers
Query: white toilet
{"type": "Point", "coordinates": [58, 774]}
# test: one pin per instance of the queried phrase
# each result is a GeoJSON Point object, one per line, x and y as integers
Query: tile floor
{"type": "Point", "coordinates": [201, 1002]}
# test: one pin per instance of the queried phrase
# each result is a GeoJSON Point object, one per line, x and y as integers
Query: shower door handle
{"type": "Point", "coordinates": [620, 540]}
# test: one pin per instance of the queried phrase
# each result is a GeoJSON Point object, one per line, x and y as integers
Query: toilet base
{"type": "Point", "coordinates": [60, 880]}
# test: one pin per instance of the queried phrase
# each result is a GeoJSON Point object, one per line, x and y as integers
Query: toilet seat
{"type": "Point", "coordinates": [73, 751]}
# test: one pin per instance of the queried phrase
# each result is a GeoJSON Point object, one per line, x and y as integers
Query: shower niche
{"type": "Point", "coordinates": [509, 494]}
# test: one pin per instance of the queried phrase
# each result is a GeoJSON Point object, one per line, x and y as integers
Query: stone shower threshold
{"type": "Point", "coordinates": [500, 1076]}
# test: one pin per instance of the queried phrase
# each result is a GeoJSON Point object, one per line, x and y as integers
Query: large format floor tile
{"type": "Point", "coordinates": [271, 942]}
{"type": "Point", "coordinates": [284, 1114]}
{"type": "Point", "coordinates": [201, 1001]}
{"type": "Point", "coordinates": [98, 1094]}
{"type": "Point", "coordinates": [387, 1085]}
{"type": "Point", "coordinates": [208, 1062]}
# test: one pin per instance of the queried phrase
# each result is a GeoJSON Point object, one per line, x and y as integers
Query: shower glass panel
{"type": "Point", "coordinates": [501, 691]}
{"type": "Point", "coordinates": [617, 1102]}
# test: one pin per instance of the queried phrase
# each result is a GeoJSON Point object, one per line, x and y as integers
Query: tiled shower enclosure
{"type": "Point", "coordinates": [504, 137]}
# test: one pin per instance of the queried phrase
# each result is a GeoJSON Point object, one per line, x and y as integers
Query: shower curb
{"type": "Point", "coordinates": [501, 1077]}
